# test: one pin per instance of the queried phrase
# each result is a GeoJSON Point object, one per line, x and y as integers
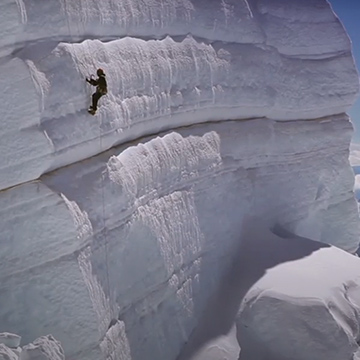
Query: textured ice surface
{"type": "Point", "coordinates": [7, 353]}
{"type": "Point", "coordinates": [224, 347]}
{"type": "Point", "coordinates": [43, 348]}
{"type": "Point", "coordinates": [354, 157]}
{"type": "Point", "coordinates": [305, 309]}
{"type": "Point", "coordinates": [210, 61]}
{"type": "Point", "coordinates": [143, 232]}
{"type": "Point", "coordinates": [10, 340]}
{"type": "Point", "coordinates": [357, 187]}
{"type": "Point", "coordinates": [293, 293]}
{"type": "Point", "coordinates": [215, 110]}
{"type": "Point", "coordinates": [294, 28]}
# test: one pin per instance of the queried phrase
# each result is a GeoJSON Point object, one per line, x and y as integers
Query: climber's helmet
{"type": "Point", "coordinates": [100, 72]}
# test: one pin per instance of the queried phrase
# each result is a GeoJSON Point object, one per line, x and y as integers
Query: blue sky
{"type": "Point", "coordinates": [349, 13]}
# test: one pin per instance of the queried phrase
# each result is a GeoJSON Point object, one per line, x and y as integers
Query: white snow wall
{"type": "Point", "coordinates": [142, 232]}
{"type": "Point", "coordinates": [213, 60]}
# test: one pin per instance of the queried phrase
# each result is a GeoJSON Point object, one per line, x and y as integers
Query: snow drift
{"type": "Point", "coordinates": [117, 229]}
{"type": "Point", "coordinates": [212, 61]}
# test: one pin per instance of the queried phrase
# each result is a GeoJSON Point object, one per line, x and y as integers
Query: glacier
{"type": "Point", "coordinates": [118, 229]}
{"type": "Point", "coordinates": [230, 60]}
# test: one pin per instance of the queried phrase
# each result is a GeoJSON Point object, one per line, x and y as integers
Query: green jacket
{"type": "Point", "coordinates": [100, 83]}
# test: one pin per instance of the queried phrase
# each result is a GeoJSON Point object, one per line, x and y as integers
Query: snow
{"type": "Point", "coordinates": [292, 298]}
{"type": "Point", "coordinates": [7, 354]}
{"type": "Point", "coordinates": [118, 229]}
{"type": "Point", "coordinates": [137, 229]}
{"type": "Point", "coordinates": [357, 187]}
{"type": "Point", "coordinates": [43, 348]}
{"type": "Point", "coordinates": [30, 204]}
{"type": "Point", "coordinates": [204, 65]}
{"type": "Point", "coordinates": [354, 157]}
{"type": "Point", "coordinates": [115, 344]}
{"type": "Point", "coordinates": [299, 28]}
{"type": "Point", "coordinates": [10, 340]}
{"type": "Point", "coordinates": [217, 21]}
{"type": "Point", "coordinates": [299, 300]}
{"type": "Point", "coordinates": [303, 309]}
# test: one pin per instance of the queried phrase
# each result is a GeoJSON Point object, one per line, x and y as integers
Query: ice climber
{"type": "Point", "coordinates": [101, 89]}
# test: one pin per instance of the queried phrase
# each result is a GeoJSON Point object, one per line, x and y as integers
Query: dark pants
{"type": "Point", "coordinates": [95, 98]}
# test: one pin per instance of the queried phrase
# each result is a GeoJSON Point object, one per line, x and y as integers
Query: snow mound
{"type": "Point", "coordinates": [357, 187]}
{"type": "Point", "coordinates": [306, 309]}
{"type": "Point", "coordinates": [115, 344]}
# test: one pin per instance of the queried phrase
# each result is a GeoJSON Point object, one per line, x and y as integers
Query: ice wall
{"type": "Point", "coordinates": [214, 60]}
{"type": "Point", "coordinates": [151, 227]}
{"type": "Point", "coordinates": [117, 228]}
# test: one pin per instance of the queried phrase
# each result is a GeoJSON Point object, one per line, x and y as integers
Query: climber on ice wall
{"type": "Point", "coordinates": [101, 89]}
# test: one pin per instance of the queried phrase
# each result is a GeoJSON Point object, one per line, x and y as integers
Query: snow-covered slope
{"type": "Point", "coordinates": [216, 110]}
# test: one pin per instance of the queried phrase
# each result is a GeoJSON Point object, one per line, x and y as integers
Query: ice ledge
{"type": "Point", "coordinates": [291, 26]}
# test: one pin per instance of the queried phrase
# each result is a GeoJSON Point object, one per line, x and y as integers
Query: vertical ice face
{"type": "Point", "coordinates": [155, 225]}
{"type": "Point", "coordinates": [284, 60]}
{"type": "Point", "coordinates": [215, 110]}
{"type": "Point", "coordinates": [24, 21]}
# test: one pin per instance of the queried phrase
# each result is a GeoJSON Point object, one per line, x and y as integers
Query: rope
{"type": "Point", "coordinates": [112, 308]}
{"type": "Point", "coordinates": [102, 182]}
{"type": "Point", "coordinates": [104, 222]}
{"type": "Point", "coordinates": [103, 213]}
